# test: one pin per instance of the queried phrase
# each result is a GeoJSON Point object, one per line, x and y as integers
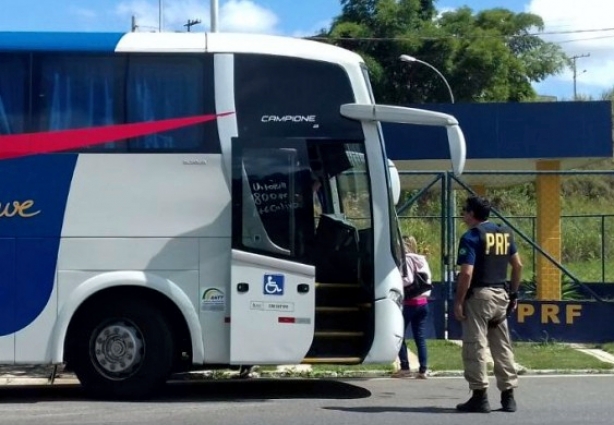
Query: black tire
{"type": "Point", "coordinates": [123, 350]}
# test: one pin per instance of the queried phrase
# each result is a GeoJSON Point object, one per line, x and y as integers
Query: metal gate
{"type": "Point", "coordinates": [429, 210]}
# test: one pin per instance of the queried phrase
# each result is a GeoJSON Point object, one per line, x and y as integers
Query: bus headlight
{"type": "Point", "coordinates": [396, 296]}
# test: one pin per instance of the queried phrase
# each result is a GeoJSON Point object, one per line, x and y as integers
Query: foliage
{"type": "Point", "coordinates": [569, 290]}
{"type": "Point", "coordinates": [490, 55]}
{"type": "Point", "coordinates": [587, 225]}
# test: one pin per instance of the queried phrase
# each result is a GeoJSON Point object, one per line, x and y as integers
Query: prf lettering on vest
{"type": "Point", "coordinates": [550, 313]}
{"type": "Point", "coordinates": [500, 241]}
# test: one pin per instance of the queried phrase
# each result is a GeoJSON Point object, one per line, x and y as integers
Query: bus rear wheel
{"type": "Point", "coordinates": [123, 350]}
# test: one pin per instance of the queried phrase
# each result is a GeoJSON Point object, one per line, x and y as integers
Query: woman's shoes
{"type": "Point", "coordinates": [404, 373]}
{"type": "Point", "coordinates": [401, 373]}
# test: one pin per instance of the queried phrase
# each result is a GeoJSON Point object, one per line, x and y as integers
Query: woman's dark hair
{"type": "Point", "coordinates": [480, 207]}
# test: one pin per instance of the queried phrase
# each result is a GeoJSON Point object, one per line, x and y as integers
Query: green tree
{"type": "Point", "coordinates": [491, 55]}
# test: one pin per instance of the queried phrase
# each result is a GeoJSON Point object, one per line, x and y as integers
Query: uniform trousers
{"type": "Point", "coordinates": [484, 305]}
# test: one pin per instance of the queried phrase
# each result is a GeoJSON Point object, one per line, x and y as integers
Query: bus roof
{"type": "Point", "coordinates": [172, 42]}
{"type": "Point", "coordinates": [58, 41]}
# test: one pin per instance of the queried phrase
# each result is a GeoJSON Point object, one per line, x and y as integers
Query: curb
{"type": "Point", "coordinates": [8, 380]}
{"type": "Point", "coordinates": [32, 381]}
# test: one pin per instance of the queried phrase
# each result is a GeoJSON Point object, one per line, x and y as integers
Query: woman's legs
{"type": "Point", "coordinates": [418, 323]}
{"type": "Point", "coordinates": [403, 359]}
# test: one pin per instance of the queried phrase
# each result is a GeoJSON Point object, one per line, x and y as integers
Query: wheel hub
{"type": "Point", "coordinates": [117, 348]}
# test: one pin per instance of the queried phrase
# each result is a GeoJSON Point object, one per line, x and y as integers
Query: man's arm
{"type": "Point", "coordinates": [516, 264]}
{"type": "Point", "coordinates": [466, 260]}
{"type": "Point", "coordinates": [462, 285]}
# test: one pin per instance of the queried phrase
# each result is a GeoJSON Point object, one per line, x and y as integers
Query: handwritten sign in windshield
{"type": "Point", "coordinates": [272, 197]}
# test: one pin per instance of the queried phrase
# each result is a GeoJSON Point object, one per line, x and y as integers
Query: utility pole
{"type": "Point", "coordinates": [575, 72]}
{"type": "Point", "coordinates": [133, 26]}
{"type": "Point", "coordinates": [191, 23]}
{"type": "Point", "coordinates": [160, 15]}
{"type": "Point", "coordinates": [214, 15]}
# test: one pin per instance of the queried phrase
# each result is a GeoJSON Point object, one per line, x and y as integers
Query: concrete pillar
{"type": "Point", "coordinates": [548, 231]}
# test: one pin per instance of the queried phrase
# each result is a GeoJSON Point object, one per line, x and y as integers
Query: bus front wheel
{"type": "Point", "coordinates": [123, 350]}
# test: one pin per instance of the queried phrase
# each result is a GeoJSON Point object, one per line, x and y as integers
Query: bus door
{"type": "Point", "coordinates": [272, 294]}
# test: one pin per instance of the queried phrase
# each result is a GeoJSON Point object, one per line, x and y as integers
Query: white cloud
{"type": "Point", "coordinates": [444, 9]}
{"type": "Point", "coordinates": [234, 15]}
{"type": "Point", "coordinates": [576, 18]}
{"type": "Point", "coordinates": [247, 16]}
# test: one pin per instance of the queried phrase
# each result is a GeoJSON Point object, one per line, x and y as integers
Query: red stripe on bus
{"type": "Point", "coordinates": [16, 145]}
{"type": "Point", "coordinates": [286, 319]}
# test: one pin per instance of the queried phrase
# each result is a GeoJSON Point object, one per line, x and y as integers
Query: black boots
{"type": "Point", "coordinates": [478, 403]}
{"type": "Point", "coordinates": [508, 404]}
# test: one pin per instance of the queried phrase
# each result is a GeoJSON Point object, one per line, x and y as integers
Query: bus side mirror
{"type": "Point", "coordinates": [399, 114]}
{"type": "Point", "coordinates": [395, 182]}
{"type": "Point", "coordinates": [458, 148]}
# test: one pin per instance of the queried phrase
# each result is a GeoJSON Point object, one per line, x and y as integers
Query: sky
{"type": "Point", "coordinates": [582, 28]}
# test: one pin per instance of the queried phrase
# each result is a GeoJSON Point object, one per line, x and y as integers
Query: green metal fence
{"type": "Point", "coordinates": [430, 204]}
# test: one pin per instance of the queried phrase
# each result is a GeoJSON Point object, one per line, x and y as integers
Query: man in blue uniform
{"type": "Point", "coordinates": [483, 301]}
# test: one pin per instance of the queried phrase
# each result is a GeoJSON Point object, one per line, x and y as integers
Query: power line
{"type": "Point", "coordinates": [576, 40]}
{"type": "Point", "coordinates": [459, 36]}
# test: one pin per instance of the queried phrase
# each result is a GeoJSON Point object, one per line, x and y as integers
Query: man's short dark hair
{"type": "Point", "coordinates": [480, 207]}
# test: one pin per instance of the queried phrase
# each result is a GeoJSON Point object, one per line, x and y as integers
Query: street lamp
{"type": "Point", "coordinates": [447, 265]}
{"type": "Point", "coordinates": [407, 58]}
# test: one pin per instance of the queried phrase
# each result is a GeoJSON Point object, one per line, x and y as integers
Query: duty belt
{"type": "Point", "coordinates": [502, 285]}
{"type": "Point", "coordinates": [485, 285]}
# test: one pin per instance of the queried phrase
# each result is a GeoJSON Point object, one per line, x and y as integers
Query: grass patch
{"type": "Point", "coordinates": [442, 355]}
{"type": "Point", "coordinates": [607, 347]}
{"type": "Point", "coordinates": [446, 356]}
{"type": "Point", "coordinates": [548, 355]}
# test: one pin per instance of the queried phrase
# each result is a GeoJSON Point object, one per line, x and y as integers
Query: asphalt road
{"type": "Point", "coordinates": [560, 400]}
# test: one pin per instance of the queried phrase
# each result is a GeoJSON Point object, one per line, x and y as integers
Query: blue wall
{"type": "Point", "coordinates": [561, 321]}
{"type": "Point", "coordinates": [510, 131]}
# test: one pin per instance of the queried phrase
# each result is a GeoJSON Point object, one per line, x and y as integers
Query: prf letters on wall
{"type": "Point", "coordinates": [550, 313]}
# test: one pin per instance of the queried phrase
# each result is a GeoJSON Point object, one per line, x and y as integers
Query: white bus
{"type": "Point", "coordinates": [158, 211]}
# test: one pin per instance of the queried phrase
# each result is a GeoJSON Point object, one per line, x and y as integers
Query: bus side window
{"type": "Point", "coordinates": [13, 94]}
{"type": "Point", "coordinates": [78, 91]}
{"type": "Point", "coordinates": [162, 87]}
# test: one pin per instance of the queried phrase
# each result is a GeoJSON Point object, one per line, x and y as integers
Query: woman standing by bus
{"type": "Point", "coordinates": [415, 311]}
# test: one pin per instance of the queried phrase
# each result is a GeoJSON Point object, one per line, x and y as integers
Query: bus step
{"type": "Point", "coordinates": [332, 360]}
{"type": "Point", "coordinates": [341, 295]}
{"type": "Point", "coordinates": [345, 319]}
{"type": "Point", "coordinates": [337, 309]}
{"type": "Point", "coordinates": [338, 334]}
{"type": "Point", "coordinates": [337, 285]}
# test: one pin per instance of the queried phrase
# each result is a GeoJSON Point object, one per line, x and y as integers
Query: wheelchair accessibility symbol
{"type": "Point", "coordinates": [273, 284]}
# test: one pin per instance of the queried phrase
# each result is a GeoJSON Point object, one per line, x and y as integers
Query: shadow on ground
{"type": "Point", "coordinates": [212, 390]}
{"type": "Point", "coordinates": [392, 409]}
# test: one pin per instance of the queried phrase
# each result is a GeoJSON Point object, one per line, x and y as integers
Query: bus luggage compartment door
{"type": "Point", "coordinates": [272, 307]}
